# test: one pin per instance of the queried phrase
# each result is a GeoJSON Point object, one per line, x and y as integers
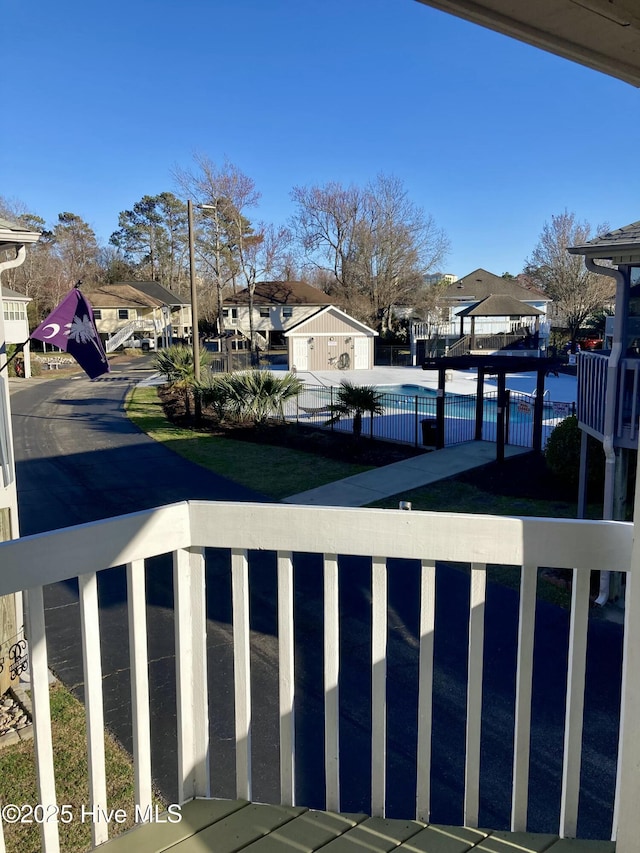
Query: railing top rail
{"type": "Point", "coordinates": [69, 552]}
{"type": "Point", "coordinates": [73, 551]}
{"type": "Point", "coordinates": [561, 543]}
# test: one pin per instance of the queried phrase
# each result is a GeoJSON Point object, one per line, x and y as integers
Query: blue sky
{"type": "Point", "coordinates": [490, 136]}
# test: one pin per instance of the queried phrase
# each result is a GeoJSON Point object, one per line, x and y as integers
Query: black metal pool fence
{"type": "Point", "coordinates": [411, 419]}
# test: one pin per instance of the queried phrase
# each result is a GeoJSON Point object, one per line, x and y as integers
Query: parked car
{"type": "Point", "coordinates": [590, 340]}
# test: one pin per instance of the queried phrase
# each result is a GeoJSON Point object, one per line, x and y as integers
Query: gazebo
{"type": "Point", "coordinates": [498, 305]}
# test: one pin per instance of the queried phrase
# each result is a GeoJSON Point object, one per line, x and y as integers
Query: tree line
{"type": "Point", "coordinates": [368, 247]}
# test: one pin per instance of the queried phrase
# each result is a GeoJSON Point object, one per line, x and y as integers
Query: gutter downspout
{"type": "Point", "coordinates": [610, 405]}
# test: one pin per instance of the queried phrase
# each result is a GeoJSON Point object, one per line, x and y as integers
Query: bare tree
{"type": "Point", "coordinates": [576, 292]}
{"type": "Point", "coordinates": [375, 241]}
{"type": "Point", "coordinates": [260, 254]}
{"type": "Point", "coordinates": [222, 225]}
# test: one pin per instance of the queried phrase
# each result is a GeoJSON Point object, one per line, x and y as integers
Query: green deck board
{"type": "Point", "coordinates": [238, 830]}
{"type": "Point", "coordinates": [157, 837]}
{"type": "Point", "coordinates": [374, 835]}
{"type": "Point", "coordinates": [516, 842]}
{"type": "Point", "coordinates": [443, 839]}
{"type": "Point", "coordinates": [232, 826]}
{"type": "Point", "coordinates": [306, 833]}
{"type": "Point", "coordinates": [575, 845]}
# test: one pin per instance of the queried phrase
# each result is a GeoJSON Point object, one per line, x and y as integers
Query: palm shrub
{"type": "Point", "coordinates": [214, 394]}
{"type": "Point", "coordinates": [356, 400]}
{"type": "Point", "coordinates": [176, 363]}
{"type": "Point", "coordinates": [254, 396]}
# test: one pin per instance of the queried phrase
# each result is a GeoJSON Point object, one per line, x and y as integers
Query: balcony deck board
{"type": "Point", "coordinates": [237, 826]}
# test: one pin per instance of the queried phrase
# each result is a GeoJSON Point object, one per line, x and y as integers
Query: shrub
{"type": "Point", "coordinates": [253, 397]}
{"type": "Point", "coordinates": [563, 454]}
{"type": "Point", "coordinates": [176, 363]}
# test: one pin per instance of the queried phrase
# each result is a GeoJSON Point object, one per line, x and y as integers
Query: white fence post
{"type": "Point", "coordinates": [625, 816]}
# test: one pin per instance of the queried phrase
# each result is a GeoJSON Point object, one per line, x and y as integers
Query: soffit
{"type": "Point", "coordinates": [601, 34]}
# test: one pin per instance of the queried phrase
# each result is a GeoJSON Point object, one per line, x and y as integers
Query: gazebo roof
{"type": "Point", "coordinates": [500, 305]}
{"type": "Point", "coordinates": [621, 245]}
{"type": "Point", "coordinates": [481, 283]}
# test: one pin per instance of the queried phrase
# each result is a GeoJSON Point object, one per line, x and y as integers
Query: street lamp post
{"type": "Point", "coordinates": [195, 340]}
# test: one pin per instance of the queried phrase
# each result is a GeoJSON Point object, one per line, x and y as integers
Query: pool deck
{"type": "Point", "coordinates": [561, 389]}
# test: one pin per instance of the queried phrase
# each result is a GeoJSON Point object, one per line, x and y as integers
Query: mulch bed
{"type": "Point", "coordinates": [333, 445]}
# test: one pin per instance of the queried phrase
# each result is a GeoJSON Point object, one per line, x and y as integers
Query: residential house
{"type": "Point", "coordinates": [483, 313]}
{"type": "Point", "coordinates": [295, 316]}
{"type": "Point", "coordinates": [604, 36]}
{"type": "Point", "coordinates": [16, 324]}
{"type": "Point", "coordinates": [145, 308]}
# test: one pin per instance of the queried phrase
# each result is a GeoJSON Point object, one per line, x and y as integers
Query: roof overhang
{"type": "Point", "coordinates": [601, 34]}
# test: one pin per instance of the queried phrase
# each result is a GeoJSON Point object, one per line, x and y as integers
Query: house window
{"type": "Point", "coordinates": [123, 313]}
{"type": "Point", "coordinates": [264, 312]}
{"type": "Point", "coordinates": [287, 311]}
{"type": "Point", "coordinates": [15, 311]}
{"type": "Point", "coordinates": [97, 313]}
{"type": "Point", "coordinates": [230, 314]}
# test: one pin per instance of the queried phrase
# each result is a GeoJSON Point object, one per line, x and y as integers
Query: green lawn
{"type": "Point", "coordinates": [275, 472]}
{"type": "Point", "coordinates": [18, 779]}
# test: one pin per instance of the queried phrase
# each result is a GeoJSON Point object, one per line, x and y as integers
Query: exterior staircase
{"type": "Point", "coordinates": [126, 332]}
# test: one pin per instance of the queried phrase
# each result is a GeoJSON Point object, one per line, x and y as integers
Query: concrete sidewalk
{"type": "Point", "coordinates": [378, 483]}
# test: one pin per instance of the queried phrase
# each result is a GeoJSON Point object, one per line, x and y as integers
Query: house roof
{"type": "Point", "coordinates": [281, 293]}
{"type": "Point", "coordinates": [333, 310]}
{"type": "Point", "coordinates": [479, 284]}
{"type": "Point", "coordinates": [121, 296]}
{"type": "Point", "coordinates": [614, 244]}
{"type": "Point", "coordinates": [500, 305]}
{"type": "Point", "coordinates": [7, 293]}
{"type": "Point", "coordinates": [12, 233]}
{"type": "Point", "coordinates": [600, 34]}
{"type": "Point", "coordinates": [157, 291]}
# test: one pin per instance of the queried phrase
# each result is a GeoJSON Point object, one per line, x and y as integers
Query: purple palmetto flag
{"type": "Point", "coordinates": [71, 327]}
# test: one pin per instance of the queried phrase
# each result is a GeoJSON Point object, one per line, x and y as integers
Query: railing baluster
{"type": "Point", "coordinates": [286, 679]}
{"type": "Point", "coordinates": [331, 693]}
{"type": "Point", "coordinates": [241, 669]}
{"type": "Point", "coordinates": [425, 688]}
{"type": "Point", "coordinates": [524, 680]}
{"type": "Point", "coordinates": [378, 686]}
{"type": "Point", "coordinates": [39, 667]}
{"type": "Point", "coordinates": [474, 694]}
{"type": "Point", "coordinates": [191, 674]}
{"type": "Point", "coordinates": [575, 704]}
{"type": "Point", "coordinates": [138, 661]}
{"type": "Point", "coordinates": [89, 623]}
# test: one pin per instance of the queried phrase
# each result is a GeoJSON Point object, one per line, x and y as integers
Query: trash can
{"type": "Point", "coordinates": [429, 432]}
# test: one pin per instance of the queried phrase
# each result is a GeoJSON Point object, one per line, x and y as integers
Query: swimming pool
{"type": "Point", "coordinates": [406, 406]}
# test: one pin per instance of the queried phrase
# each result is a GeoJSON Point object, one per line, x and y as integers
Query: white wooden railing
{"type": "Point", "coordinates": [186, 529]}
